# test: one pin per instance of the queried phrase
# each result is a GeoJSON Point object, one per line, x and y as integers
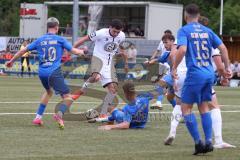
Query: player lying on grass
{"type": "Point", "coordinates": [166, 81]}
{"type": "Point", "coordinates": [50, 50]}
{"type": "Point", "coordinates": [132, 115]}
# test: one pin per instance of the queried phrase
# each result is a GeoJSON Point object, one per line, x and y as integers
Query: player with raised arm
{"type": "Point", "coordinates": [107, 41]}
{"type": "Point", "coordinates": [134, 114]}
{"type": "Point", "coordinates": [50, 50]}
{"type": "Point", "coordinates": [195, 42]}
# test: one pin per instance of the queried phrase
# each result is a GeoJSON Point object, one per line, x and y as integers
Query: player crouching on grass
{"type": "Point", "coordinates": [50, 49]}
{"type": "Point", "coordinates": [133, 115]}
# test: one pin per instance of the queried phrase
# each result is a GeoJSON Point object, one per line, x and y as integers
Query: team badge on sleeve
{"type": "Point", "coordinates": [92, 35]}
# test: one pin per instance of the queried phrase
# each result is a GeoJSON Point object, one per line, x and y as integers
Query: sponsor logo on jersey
{"type": "Point", "coordinates": [109, 47]}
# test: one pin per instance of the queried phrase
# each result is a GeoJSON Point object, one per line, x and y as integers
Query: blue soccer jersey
{"type": "Point", "coordinates": [199, 41]}
{"type": "Point", "coordinates": [136, 113]}
{"type": "Point", "coordinates": [50, 49]}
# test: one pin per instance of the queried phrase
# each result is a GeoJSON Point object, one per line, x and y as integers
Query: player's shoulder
{"type": "Point", "coordinates": [121, 34]}
{"type": "Point", "coordinates": [141, 100]}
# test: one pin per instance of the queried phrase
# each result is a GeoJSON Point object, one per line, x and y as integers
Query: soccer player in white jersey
{"type": "Point", "coordinates": [213, 105]}
{"type": "Point", "coordinates": [107, 42]}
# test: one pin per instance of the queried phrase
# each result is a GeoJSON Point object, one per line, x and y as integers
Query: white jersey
{"type": "Point", "coordinates": [106, 46]}
{"type": "Point", "coordinates": [161, 47]}
{"type": "Point", "coordinates": [215, 52]}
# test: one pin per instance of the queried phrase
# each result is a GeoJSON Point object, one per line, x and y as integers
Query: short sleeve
{"type": "Point", "coordinates": [216, 41]}
{"type": "Point", "coordinates": [127, 116]}
{"type": "Point", "coordinates": [163, 58]}
{"type": "Point", "coordinates": [123, 37]}
{"type": "Point", "coordinates": [67, 45]}
{"type": "Point", "coordinates": [95, 35]}
{"type": "Point", "coordinates": [111, 118]}
{"type": "Point", "coordinates": [215, 52]}
{"type": "Point", "coordinates": [32, 46]}
{"type": "Point", "coordinates": [181, 38]}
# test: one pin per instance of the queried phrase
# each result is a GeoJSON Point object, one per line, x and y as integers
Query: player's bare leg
{"type": "Point", "coordinates": [217, 124]}
{"type": "Point", "coordinates": [95, 77]}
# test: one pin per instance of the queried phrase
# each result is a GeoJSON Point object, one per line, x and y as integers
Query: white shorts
{"type": "Point", "coordinates": [163, 68]}
{"type": "Point", "coordinates": [179, 82]}
{"type": "Point", "coordinates": [105, 68]}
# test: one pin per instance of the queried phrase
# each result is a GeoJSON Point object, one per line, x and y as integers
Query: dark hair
{"type": "Point", "coordinates": [129, 88]}
{"type": "Point", "coordinates": [203, 20]}
{"type": "Point", "coordinates": [192, 9]}
{"type": "Point", "coordinates": [116, 23]}
{"type": "Point", "coordinates": [168, 37]}
{"type": "Point", "coordinates": [168, 31]}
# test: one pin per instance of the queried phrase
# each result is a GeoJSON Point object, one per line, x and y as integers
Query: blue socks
{"type": "Point", "coordinates": [63, 108]}
{"type": "Point", "coordinates": [160, 98]}
{"type": "Point", "coordinates": [207, 126]}
{"type": "Point", "coordinates": [172, 102]}
{"type": "Point", "coordinates": [192, 126]}
{"type": "Point", "coordinates": [41, 109]}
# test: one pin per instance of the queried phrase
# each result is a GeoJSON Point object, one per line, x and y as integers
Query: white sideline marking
{"type": "Point", "coordinates": [160, 112]}
{"type": "Point", "coordinates": [96, 102]}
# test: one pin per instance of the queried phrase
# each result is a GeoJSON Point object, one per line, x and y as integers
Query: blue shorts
{"type": "Point", "coordinates": [56, 81]}
{"type": "Point", "coordinates": [197, 93]}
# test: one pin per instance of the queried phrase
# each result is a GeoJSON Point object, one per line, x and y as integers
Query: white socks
{"type": "Point", "coordinates": [176, 117]}
{"type": "Point", "coordinates": [85, 86]}
{"type": "Point", "coordinates": [38, 116]}
{"type": "Point", "coordinates": [107, 102]}
{"type": "Point", "coordinates": [217, 125]}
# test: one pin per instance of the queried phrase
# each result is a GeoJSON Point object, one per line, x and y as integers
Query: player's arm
{"type": "Point", "coordinates": [123, 53]}
{"type": "Point", "coordinates": [180, 53]}
{"type": "Point", "coordinates": [151, 61]}
{"type": "Point", "coordinates": [158, 51]}
{"type": "Point", "coordinates": [19, 54]}
{"type": "Point", "coordinates": [72, 49]}
{"type": "Point", "coordinates": [123, 125]}
{"type": "Point", "coordinates": [155, 53]}
{"type": "Point", "coordinates": [173, 54]}
{"type": "Point", "coordinates": [224, 55]}
{"type": "Point", "coordinates": [217, 43]}
{"type": "Point", "coordinates": [81, 41]}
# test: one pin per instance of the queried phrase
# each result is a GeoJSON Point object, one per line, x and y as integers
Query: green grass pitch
{"type": "Point", "coordinates": [20, 140]}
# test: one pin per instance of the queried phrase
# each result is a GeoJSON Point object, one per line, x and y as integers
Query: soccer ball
{"type": "Point", "coordinates": [92, 113]}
